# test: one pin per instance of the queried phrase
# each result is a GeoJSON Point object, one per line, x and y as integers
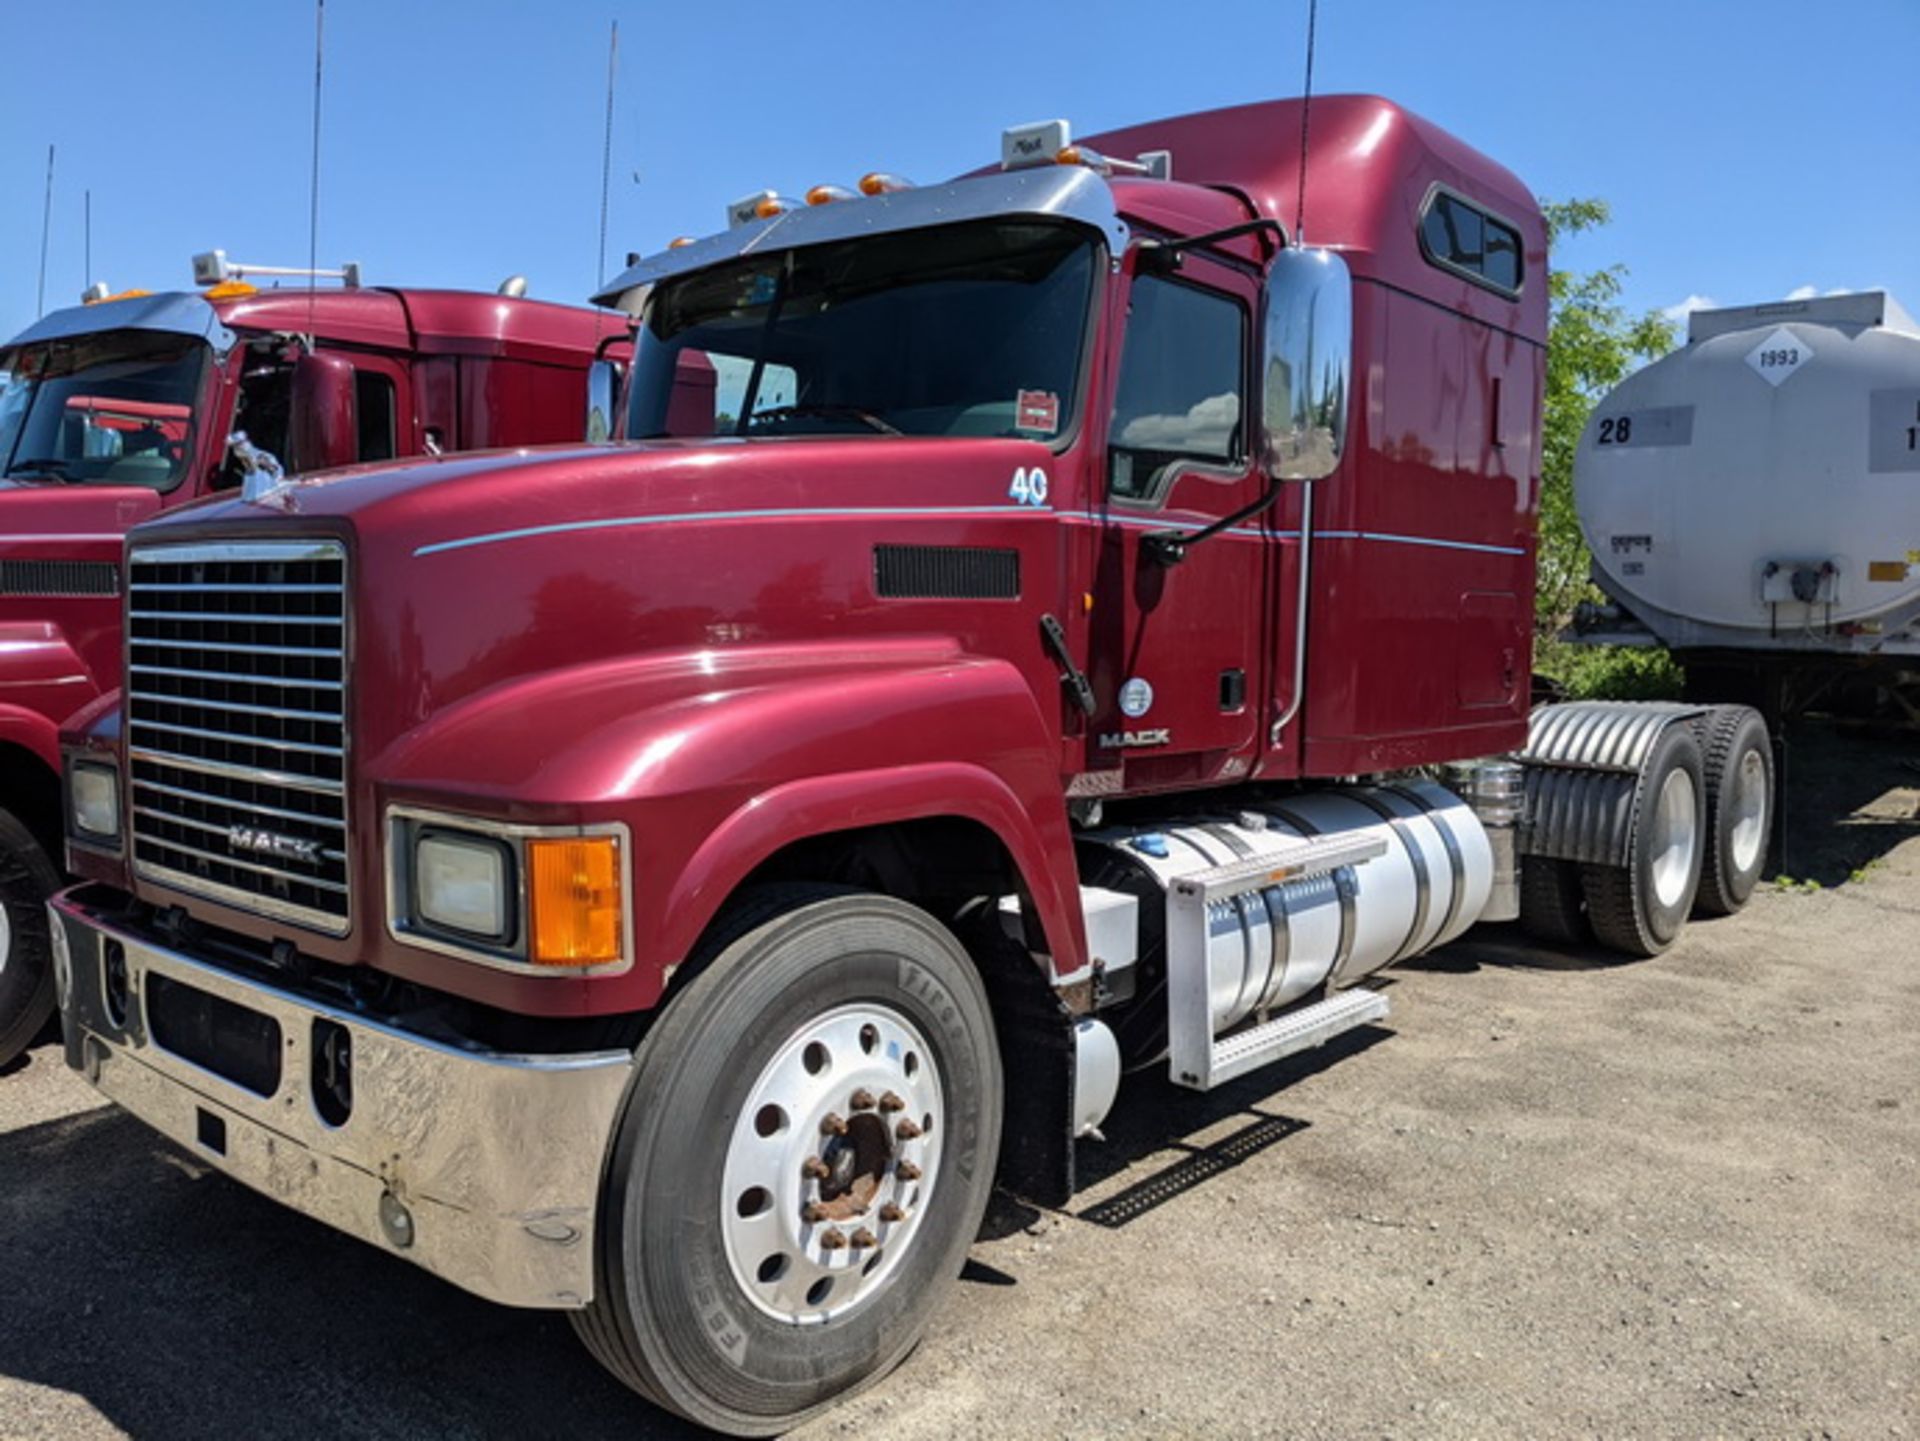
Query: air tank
{"type": "Point", "coordinates": [1760, 487]}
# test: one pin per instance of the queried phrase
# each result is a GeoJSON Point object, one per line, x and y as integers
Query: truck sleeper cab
{"type": "Point", "coordinates": [122, 407]}
{"type": "Point", "coordinates": [950, 693]}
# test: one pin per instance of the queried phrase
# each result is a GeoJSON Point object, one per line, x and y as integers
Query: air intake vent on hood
{"type": "Point", "coordinates": [945, 572]}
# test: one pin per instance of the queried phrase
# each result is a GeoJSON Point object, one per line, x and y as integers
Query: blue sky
{"type": "Point", "coordinates": [1749, 149]}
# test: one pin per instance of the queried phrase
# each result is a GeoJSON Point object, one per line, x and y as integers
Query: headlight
{"type": "Point", "coordinates": [93, 801]}
{"type": "Point", "coordinates": [464, 883]}
{"type": "Point", "coordinates": [529, 898]}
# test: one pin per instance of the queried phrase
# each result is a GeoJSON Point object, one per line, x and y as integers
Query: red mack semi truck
{"type": "Point", "coordinates": [125, 406]}
{"type": "Point", "coordinates": [1069, 622]}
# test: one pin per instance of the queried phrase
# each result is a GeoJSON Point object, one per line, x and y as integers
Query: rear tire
{"type": "Point", "coordinates": [1640, 908]}
{"type": "Point", "coordinates": [1553, 908]}
{"type": "Point", "coordinates": [27, 879]}
{"type": "Point", "coordinates": [1740, 798]}
{"type": "Point", "coordinates": [719, 1294]}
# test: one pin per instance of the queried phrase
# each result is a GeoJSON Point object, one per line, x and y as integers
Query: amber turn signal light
{"type": "Point", "coordinates": [573, 901]}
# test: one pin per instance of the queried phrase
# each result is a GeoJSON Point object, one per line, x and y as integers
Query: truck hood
{"type": "Point", "coordinates": [490, 498]}
{"type": "Point", "coordinates": [56, 512]}
{"type": "Point", "coordinates": [468, 573]}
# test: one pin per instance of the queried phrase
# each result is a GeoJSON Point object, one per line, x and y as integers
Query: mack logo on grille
{"type": "Point", "coordinates": [272, 843]}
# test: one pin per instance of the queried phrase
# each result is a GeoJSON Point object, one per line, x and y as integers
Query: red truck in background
{"type": "Point", "coordinates": [122, 407]}
{"type": "Point", "coordinates": [1033, 627]}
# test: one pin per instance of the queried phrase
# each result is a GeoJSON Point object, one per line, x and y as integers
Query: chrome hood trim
{"type": "Point", "coordinates": [1059, 192]}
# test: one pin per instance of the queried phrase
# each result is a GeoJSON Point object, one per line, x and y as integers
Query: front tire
{"type": "Point", "coordinates": [1640, 907]}
{"type": "Point", "coordinates": [1740, 801]}
{"type": "Point", "coordinates": [27, 879]}
{"type": "Point", "coordinates": [805, 1155]}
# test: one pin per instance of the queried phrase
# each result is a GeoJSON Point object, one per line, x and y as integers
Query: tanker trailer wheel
{"type": "Point", "coordinates": [1640, 907]}
{"type": "Point", "coordinates": [803, 1159]}
{"type": "Point", "coordinates": [1739, 796]}
{"type": "Point", "coordinates": [27, 878]}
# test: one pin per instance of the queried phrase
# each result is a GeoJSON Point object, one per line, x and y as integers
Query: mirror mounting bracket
{"type": "Point", "coordinates": [1170, 547]}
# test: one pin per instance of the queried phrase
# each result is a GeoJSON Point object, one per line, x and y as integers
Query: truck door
{"type": "Point", "coordinates": [1177, 649]}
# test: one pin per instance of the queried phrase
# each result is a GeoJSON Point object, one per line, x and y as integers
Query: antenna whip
{"type": "Point", "coordinates": [606, 158]}
{"type": "Point", "coordinates": [313, 194]}
{"type": "Point", "coordinates": [46, 226]}
{"type": "Point", "coordinates": [1306, 111]}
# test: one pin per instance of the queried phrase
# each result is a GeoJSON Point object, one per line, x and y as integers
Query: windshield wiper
{"type": "Point", "coordinates": [828, 410]}
{"type": "Point", "coordinates": [52, 465]}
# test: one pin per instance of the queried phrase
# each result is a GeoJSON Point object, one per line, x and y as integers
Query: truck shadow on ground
{"type": "Point", "coordinates": [182, 1306]}
{"type": "Point", "coordinates": [1152, 1117]}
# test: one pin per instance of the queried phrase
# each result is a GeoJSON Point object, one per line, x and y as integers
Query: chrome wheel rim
{"type": "Point", "coordinates": [1749, 803]}
{"type": "Point", "coordinates": [6, 936]}
{"type": "Point", "coordinates": [831, 1164]}
{"type": "Point", "coordinates": [1675, 837]}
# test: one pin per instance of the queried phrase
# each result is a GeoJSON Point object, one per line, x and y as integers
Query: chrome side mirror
{"type": "Point", "coordinates": [1306, 368]}
{"type": "Point", "coordinates": [603, 390]}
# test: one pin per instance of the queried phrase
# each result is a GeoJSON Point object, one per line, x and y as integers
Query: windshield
{"type": "Point", "coordinates": [968, 330]}
{"type": "Point", "coordinates": [115, 408]}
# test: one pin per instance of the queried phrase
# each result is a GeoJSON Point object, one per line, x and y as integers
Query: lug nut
{"type": "Point", "coordinates": [906, 1171]}
{"type": "Point", "coordinates": [814, 1169]}
{"type": "Point", "coordinates": [813, 1213]}
{"type": "Point", "coordinates": [862, 1100]}
{"type": "Point", "coordinates": [907, 1130]}
{"type": "Point", "coordinates": [891, 1102]}
{"type": "Point", "coordinates": [891, 1212]}
{"type": "Point", "coordinates": [833, 1239]}
{"type": "Point", "coordinates": [831, 1124]}
{"type": "Point", "coordinates": [863, 1238]}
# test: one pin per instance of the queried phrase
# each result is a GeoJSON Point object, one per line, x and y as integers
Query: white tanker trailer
{"type": "Point", "coordinates": [1752, 500]}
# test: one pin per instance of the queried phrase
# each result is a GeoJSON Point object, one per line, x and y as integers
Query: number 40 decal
{"type": "Point", "coordinates": [1029, 486]}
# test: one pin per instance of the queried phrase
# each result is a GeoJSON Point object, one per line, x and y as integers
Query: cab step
{"type": "Point", "coordinates": [1299, 1030]}
{"type": "Point", "coordinates": [1195, 1057]}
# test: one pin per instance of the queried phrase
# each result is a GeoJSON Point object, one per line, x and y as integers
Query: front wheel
{"type": "Point", "coordinates": [805, 1154]}
{"type": "Point", "coordinates": [27, 879]}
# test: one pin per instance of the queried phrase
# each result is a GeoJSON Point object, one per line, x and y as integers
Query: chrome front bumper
{"type": "Point", "coordinates": [480, 1167]}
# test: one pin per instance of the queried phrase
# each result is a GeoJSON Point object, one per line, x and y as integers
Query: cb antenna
{"type": "Point", "coordinates": [606, 158]}
{"type": "Point", "coordinates": [1306, 112]}
{"type": "Point", "coordinates": [46, 228]}
{"type": "Point", "coordinates": [313, 193]}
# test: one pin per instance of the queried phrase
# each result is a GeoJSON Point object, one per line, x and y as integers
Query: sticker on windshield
{"type": "Point", "coordinates": [1037, 411]}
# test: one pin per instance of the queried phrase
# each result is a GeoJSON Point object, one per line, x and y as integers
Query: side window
{"type": "Point", "coordinates": [1460, 237]}
{"type": "Point", "coordinates": [1182, 383]}
{"type": "Point", "coordinates": [373, 402]}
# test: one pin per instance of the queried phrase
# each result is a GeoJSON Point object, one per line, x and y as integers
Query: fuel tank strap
{"type": "Point", "coordinates": [1456, 858]}
{"type": "Point", "coordinates": [1343, 887]}
{"type": "Point", "coordinates": [1274, 902]}
{"type": "Point", "coordinates": [1239, 850]}
{"type": "Point", "coordinates": [1422, 881]}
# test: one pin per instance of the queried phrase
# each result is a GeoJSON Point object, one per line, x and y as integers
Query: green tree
{"type": "Point", "coordinates": [1592, 345]}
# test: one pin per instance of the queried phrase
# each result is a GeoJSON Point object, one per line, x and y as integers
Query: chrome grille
{"type": "Point", "coordinates": [236, 724]}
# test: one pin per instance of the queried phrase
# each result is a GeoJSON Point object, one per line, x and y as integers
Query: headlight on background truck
{"type": "Point", "coordinates": [93, 802]}
{"type": "Point", "coordinates": [526, 898]}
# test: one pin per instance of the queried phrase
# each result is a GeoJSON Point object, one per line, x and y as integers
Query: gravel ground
{"type": "Point", "coordinates": [1556, 1196]}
